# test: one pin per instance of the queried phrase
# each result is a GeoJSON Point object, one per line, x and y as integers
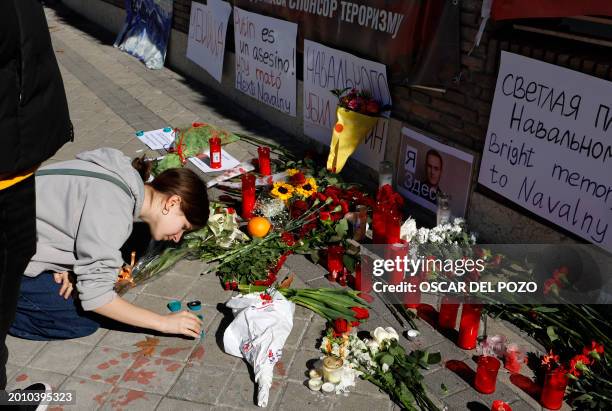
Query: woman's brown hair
{"type": "Point", "coordinates": [181, 182]}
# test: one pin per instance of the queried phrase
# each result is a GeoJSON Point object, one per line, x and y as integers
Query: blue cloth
{"type": "Point", "coordinates": [43, 315]}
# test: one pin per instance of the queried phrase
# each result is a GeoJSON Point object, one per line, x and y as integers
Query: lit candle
{"type": "Point", "coordinates": [393, 222]}
{"type": "Point", "coordinates": [215, 152]}
{"type": "Point", "coordinates": [553, 391]}
{"type": "Point", "coordinates": [378, 224]}
{"type": "Point", "coordinates": [486, 374]}
{"type": "Point", "coordinates": [468, 326]}
{"type": "Point", "coordinates": [264, 161]}
{"type": "Point", "coordinates": [248, 195]}
{"type": "Point", "coordinates": [363, 282]}
{"type": "Point", "coordinates": [335, 265]}
{"type": "Point", "coordinates": [447, 317]}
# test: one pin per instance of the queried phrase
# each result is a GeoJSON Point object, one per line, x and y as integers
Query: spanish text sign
{"type": "Point", "coordinates": [265, 59]}
{"type": "Point", "coordinates": [206, 42]}
{"type": "Point", "coordinates": [549, 145]}
{"type": "Point", "coordinates": [326, 69]}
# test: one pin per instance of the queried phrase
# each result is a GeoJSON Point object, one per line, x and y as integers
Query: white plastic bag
{"type": "Point", "coordinates": [258, 333]}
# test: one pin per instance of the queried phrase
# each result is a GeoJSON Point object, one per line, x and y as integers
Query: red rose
{"type": "Point", "coordinates": [372, 107]}
{"type": "Point", "coordinates": [297, 179]}
{"type": "Point", "coordinates": [355, 323]}
{"type": "Point", "coordinates": [353, 104]}
{"type": "Point", "coordinates": [230, 210]}
{"type": "Point", "coordinates": [345, 206]}
{"type": "Point", "coordinates": [340, 325]}
{"type": "Point", "coordinates": [298, 208]}
{"type": "Point", "coordinates": [496, 260]}
{"type": "Point", "coordinates": [325, 216]}
{"type": "Point", "coordinates": [332, 190]}
{"type": "Point", "coordinates": [594, 348]}
{"type": "Point", "coordinates": [360, 313]}
{"type": "Point", "coordinates": [288, 239]}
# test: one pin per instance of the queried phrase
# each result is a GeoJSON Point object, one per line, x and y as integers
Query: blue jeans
{"type": "Point", "coordinates": [43, 314]}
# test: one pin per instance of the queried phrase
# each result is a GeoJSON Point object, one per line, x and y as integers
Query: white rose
{"type": "Point", "coordinates": [385, 367]}
{"type": "Point", "coordinates": [408, 230]}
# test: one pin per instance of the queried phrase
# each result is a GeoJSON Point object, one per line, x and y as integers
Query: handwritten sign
{"type": "Point", "coordinates": [549, 145]}
{"type": "Point", "coordinates": [265, 59]}
{"type": "Point", "coordinates": [206, 41]}
{"type": "Point", "coordinates": [326, 69]}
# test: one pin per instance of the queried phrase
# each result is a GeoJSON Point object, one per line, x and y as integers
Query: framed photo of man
{"type": "Point", "coordinates": [427, 167]}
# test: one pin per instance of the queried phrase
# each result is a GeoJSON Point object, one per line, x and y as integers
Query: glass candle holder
{"type": "Point", "coordinates": [363, 282]}
{"type": "Point", "coordinates": [486, 374]}
{"type": "Point", "coordinates": [513, 360]}
{"type": "Point", "coordinates": [215, 152]}
{"type": "Point", "coordinates": [447, 316]}
{"type": "Point", "coordinates": [378, 224]}
{"type": "Point", "coordinates": [335, 266]}
{"type": "Point", "coordinates": [469, 325]}
{"type": "Point", "coordinates": [332, 369]}
{"type": "Point", "coordinates": [443, 214]}
{"type": "Point", "coordinates": [248, 195]}
{"type": "Point", "coordinates": [553, 391]}
{"type": "Point", "coordinates": [385, 173]}
{"type": "Point", "coordinates": [393, 222]}
{"type": "Point", "coordinates": [264, 160]}
{"type": "Point", "coordinates": [413, 299]}
{"type": "Point", "coordinates": [361, 220]}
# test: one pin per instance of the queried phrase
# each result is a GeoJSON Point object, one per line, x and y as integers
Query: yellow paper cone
{"type": "Point", "coordinates": [350, 130]}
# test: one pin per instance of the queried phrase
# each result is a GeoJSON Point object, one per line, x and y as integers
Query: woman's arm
{"type": "Point", "coordinates": [182, 322]}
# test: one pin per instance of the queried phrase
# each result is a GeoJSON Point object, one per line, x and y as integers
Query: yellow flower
{"type": "Point", "coordinates": [308, 188]}
{"type": "Point", "coordinates": [282, 190]}
{"type": "Point", "coordinates": [292, 171]}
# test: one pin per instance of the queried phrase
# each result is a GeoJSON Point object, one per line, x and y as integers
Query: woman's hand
{"type": "Point", "coordinates": [182, 322]}
{"type": "Point", "coordinates": [63, 279]}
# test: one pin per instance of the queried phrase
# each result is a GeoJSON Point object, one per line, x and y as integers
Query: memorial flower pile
{"type": "Point", "coordinates": [385, 363]}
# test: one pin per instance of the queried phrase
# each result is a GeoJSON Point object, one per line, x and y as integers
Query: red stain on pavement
{"type": "Point", "coordinates": [113, 362]}
{"type": "Point", "coordinates": [96, 377]}
{"type": "Point", "coordinates": [125, 355]}
{"type": "Point", "coordinates": [171, 351]}
{"type": "Point", "coordinates": [140, 361]}
{"type": "Point", "coordinates": [140, 376]}
{"type": "Point", "coordinates": [131, 395]}
{"type": "Point", "coordinates": [82, 382]}
{"type": "Point", "coordinates": [158, 361]}
{"type": "Point", "coordinates": [197, 354]}
{"type": "Point", "coordinates": [103, 366]}
{"type": "Point", "coordinates": [100, 398]}
{"type": "Point", "coordinates": [113, 379]}
{"type": "Point", "coordinates": [173, 367]}
{"type": "Point", "coordinates": [105, 349]}
{"type": "Point", "coordinates": [280, 368]}
{"type": "Point", "coordinates": [21, 377]}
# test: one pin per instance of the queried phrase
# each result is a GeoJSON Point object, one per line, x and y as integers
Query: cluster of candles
{"type": "Point", "coordinates": [248, 182]}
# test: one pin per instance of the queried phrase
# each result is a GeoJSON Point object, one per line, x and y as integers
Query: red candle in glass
{"type": "Point", "coordinates": [335, 266]}
{"type": "Point", "coordinates": [378, 224]}
{"type": "Point", "coordinates": [553, 391]}
{"type": "Point", "coordinates": [215, 152]}
{"type": "Point", "coordinates": [393, 222]}
{"type": "Point", "coordinates": [468, 326]}
{"type": "Point", "coordinates": [447, 317]}
{"type": "Point", "coordinates": [392, 252]}
{"type": "Point", "coordinates": [499, 405]}
{"type": "Point", "coordinates": [363, 282]}
{"type": "Point", "coordinates": [264, 160]}
{"type": "Point", "coordinates": [486, 374]}
{"type": "Point", "coordinates": [248, 195]}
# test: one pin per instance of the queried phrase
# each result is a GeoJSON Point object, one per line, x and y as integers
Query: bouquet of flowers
{"type": "Point", "coordinates": [357, 114]}
{"type": "Point", "coordinates": [385, 363]}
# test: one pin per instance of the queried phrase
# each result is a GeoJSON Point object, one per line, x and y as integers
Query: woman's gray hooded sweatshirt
{"type": "Point", "coordinates": [82, 222]}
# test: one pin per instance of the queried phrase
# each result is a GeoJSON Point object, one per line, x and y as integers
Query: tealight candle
{"type": "Point", "coordinates": [314, 374]}
{"type": "Point", "coordinates": [332, 369]}
{"type": "Point", "coordinates": [328, 387]}
{"type": "Point", "coordinates": [315, 384]}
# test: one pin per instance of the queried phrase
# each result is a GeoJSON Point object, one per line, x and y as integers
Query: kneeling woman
{"type": "Point", "coordinates": [85, 209]}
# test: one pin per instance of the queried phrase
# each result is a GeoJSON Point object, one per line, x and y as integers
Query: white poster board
{"type": "Point", "coordinates": [326, 69]}
{"type": "Point", "coordinates": [206, 41]}
{"type": "Point", "coordinates": [427, 167]}
{"type": "Point", "coordinates": [549, 145]}
{"type": "Point", "coordinates": [265, 59]}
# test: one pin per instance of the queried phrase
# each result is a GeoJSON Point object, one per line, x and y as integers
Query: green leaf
{"type": "Point", "coordinates": [550, 330]}
{"type": "Point", "coordinates": [342, 227]}
{"type": "Point", "coordinates": [434, 358]}
{"type": "Point", "coordinates": [544, 309]}
{"type": "Point", "coordinates": [387, 359]}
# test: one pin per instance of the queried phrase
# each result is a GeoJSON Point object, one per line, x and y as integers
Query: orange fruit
{"type": "Point", "coordinates": [258, 227]}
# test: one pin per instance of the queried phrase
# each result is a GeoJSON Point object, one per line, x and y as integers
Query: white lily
{"type": "Point", "coordinates": [381, 335]}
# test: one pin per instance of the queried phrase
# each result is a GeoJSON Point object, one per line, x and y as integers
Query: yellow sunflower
{"type": "Point", "coordinates": [308, 188]}
{"type": "Point", "coordinates": [282, 190]}
{"type": "Point", "coordinates": [292, 171]}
